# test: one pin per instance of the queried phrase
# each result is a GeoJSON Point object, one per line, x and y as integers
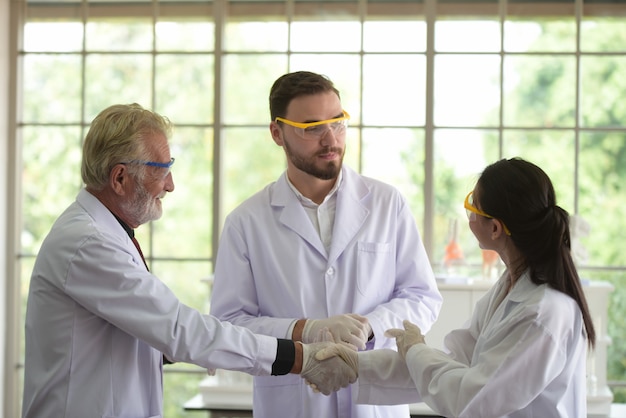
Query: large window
{"type": "Point", "coordinates": [436, 90]}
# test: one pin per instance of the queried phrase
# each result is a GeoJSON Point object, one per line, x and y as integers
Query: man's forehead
{"type": "Point", "coordinates": [314, 107]}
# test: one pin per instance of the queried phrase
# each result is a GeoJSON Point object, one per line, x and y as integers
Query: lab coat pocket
{"type": "Point", "coordinates": [375, 269]}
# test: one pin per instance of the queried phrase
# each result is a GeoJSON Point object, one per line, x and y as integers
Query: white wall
{"type": "Point", "coordinates": [4, 134]}
{"type": "Point", "coordinates": [8, 288]}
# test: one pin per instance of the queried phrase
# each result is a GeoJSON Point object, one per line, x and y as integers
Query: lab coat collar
{"type": "Point", "coordinates": [98, 211]}
{"type": "Point", "coordinates": [292, 213]}
{"type": "Point", "coordinates": [524, 289]}
{"type": "Point", "coordinates": [349, 218]}
{"type": "Point", "coordinates": [105, 219]}
{"type": "Point", "coordinates": [523, 293]}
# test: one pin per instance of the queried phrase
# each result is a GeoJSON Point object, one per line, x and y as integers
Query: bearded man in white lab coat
{"type": "Point", "coordinates": [97, 321]}
{"type": "Point", "coordinates": [321, 248]}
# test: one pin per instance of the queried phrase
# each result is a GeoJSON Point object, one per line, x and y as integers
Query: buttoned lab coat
{"type": "Point", "coordinates": [524, 358]}
{"type": "Point", "coordinates": [97, 323]}
{"type": "Point", "coordinates": [272, 269]}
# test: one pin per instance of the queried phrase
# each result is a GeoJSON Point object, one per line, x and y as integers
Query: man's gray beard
{"type": "Point", "coordinates": [142, 208]}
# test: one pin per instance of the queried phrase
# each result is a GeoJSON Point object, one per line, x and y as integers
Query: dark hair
{"type": "Point", "coordinates": [521, 195]}
{"type": "Point", "coordinates": [300, 83]}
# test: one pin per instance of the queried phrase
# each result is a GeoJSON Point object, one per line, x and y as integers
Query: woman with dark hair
{"type": "Point", "coordinates": [520, 197]}
{"type": "Point", "coordinates": [523, 352]}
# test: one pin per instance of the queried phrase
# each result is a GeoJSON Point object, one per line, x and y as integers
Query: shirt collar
{"type": "Point", "coordinates": [306, 201]}
{"type": "Point", "coordinates": [130, 231]}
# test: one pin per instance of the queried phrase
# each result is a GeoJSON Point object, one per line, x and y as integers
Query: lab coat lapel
{"type": "Point", "coordinates": [293, 216]}
{"type": "Point", "coordinates": [350, 214]}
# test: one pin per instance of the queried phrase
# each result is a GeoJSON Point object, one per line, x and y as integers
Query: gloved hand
{"type": "Point", "coordinates": [349, 356]}
{"type": "Point", "coordinates": [328, 374]}
{"type": "Point", "coordinates": [407, 337]}
{"type": "Point", "coordinates": [351, 329]}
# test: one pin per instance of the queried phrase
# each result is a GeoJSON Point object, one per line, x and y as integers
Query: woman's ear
{"type": "Point", "coordinates": [497, 228]}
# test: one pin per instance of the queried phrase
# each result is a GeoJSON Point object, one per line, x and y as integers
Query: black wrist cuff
{"type": "Point", "coordinates": [285, 357]}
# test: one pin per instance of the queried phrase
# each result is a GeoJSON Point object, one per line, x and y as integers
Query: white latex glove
{"type": "Point", "coordinates": [407, 337]}
{"type": "Point", "coordinates": [349, 356]}
{"type": "Point", "coordinates": [329, 374]}
{"type": "Point", "coordinates": [350, 329]}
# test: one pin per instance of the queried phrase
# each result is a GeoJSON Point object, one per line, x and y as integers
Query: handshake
{"type": "Point", "coordinates": [328, 367]}
{"type": "Point", "coordinates": [330, 360]}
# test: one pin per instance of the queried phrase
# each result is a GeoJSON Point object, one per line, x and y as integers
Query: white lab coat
{"type": "Point", "coordinates": [526, 359]}
{"type": "Point", "coordinates": [97, 324]}
{"type": "Point", "coordinates": [272, 268]}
